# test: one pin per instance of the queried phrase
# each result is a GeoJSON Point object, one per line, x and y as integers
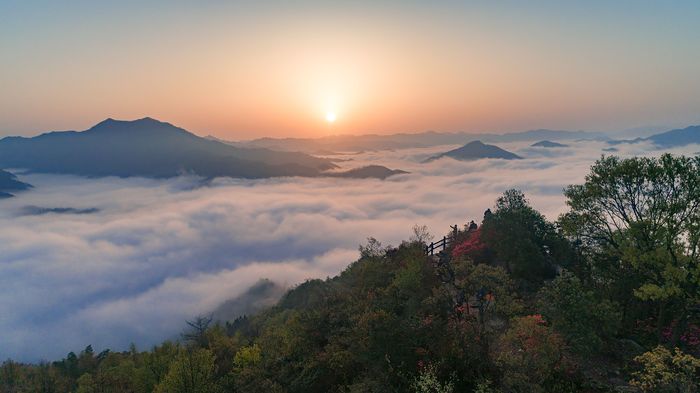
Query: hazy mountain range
{"type": "Point", "coordinates": [151, 148]}
{"type": "Point", "coordinates": [677, 137]}
{"type": "Point", "coordinates": [357, 143]}
{"type": "Point", "coordinates": [672, 138]}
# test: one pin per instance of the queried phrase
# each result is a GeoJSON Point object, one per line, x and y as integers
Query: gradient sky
{"type": "Point", "coordinates": [244, 70]}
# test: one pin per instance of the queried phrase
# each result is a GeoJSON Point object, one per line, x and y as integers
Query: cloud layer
{"type": "Point", "coordinates": [152, 253]}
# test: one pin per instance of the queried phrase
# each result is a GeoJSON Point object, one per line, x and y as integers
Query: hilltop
{"type": "Point", "coordinates": [548, 144]}
{"type": "Point", "coordinates": [477, 150]}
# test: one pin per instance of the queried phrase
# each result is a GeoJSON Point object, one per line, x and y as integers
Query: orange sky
{"type": "Point", "coordinates": [271, 69]}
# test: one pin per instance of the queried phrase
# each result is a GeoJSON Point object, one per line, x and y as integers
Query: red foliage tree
{"type": "Point", "coordinates": [473, 247]}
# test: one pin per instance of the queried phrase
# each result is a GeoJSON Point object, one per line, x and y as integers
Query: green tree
{"type": "Point", "coordinates": [427, 381]}
{"type": "Point", "coordinates": [522, 239]}
{"type": "Point", "coordinates": [192, 372]}
{"type": "Point", "coordinates": [156, 363]}
{"type": "Point", "coordinates": [663, 371]}
{"type": "Point", "coordinates": [45, 378]}
{"type": "Point", "coordinates": [86, 384]}
{"type": "Point", "coordinates": [638, 220]}
{"type": "Point", "coordinates": [248, 357]}
{"type": "Point", "coordinates": [119, 372]}
{"type": "Point", "coordinates": [87, 363]}
{"type": "Point", "coordinates": [575, 312]}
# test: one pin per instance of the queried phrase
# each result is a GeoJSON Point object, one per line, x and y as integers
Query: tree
{"type": "Point", "coordinates": [639, 220]}
{"type": "Point", "coordinates": [421, 234]}
{"type": "Point", "coordinates": [476, 284]}
{"type": "Point", "coordinates": [157, 362]}
{"type": "Point", "coordinates": [427, 381]}
{"type": "Point", "coordinates": [9, 376]}
{"type": "Point", "coordinates": [471, 247]}
{"type": "Point", "coordinates": [522, 239]}
{"type": "Point", "coordinates": [192, 372]}
{"type": "Point", "coordinates": [529, 354]}
{"type": "Point", "coordinates": [373, 249]}
{"type": "Point", "coordinates": [197, 330]}
{"type": "Point", "coordinates": [575, 312]}
{"type": "Point", "coordinates": [663, 371]}
{"type": "Point", "coordinates": [247, 357]}
{"type": "Point", "coordinates": [86, 360]}
{"type": "Point", "coordinates": [86, 384]}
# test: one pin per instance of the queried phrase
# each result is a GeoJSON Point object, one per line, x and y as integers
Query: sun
{"type": "Point", "coordinates": [330, 117]}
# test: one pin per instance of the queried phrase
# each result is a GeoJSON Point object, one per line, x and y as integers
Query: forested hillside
{"type": "Point", "coordinates": [605, 299]}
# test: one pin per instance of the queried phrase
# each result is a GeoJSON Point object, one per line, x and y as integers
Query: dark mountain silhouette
{"type": "Point", "coordinates": [548, 144]}
{"type": "Point", "coordinates": [476, 150]}
{"type": "Point", "coordinates": [9, 182]}
{"type": "Point", "coordinates": [370, 171]}
{"type": "Point", "coordinates": [150, 148]}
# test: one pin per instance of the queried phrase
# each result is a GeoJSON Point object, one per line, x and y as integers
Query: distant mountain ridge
{"type": "Point", "coordinates": [150, 148]}
{"type": "Point", "coordinates": [356, 143]}
{"type": "Point", "coordinates": [476, 150]}
{"type": "Point", "coordinates": [673, 138]}
{"type": "Point", "coordinates": [677, 137]}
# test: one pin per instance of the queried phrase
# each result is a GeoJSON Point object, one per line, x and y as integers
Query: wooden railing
{"type": "Point", "coordinates": [440, 245]}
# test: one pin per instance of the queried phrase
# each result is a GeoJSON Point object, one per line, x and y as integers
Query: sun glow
{"type": "Point", "coordinates": [331, 117]}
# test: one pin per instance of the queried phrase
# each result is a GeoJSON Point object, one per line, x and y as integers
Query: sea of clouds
{"type": "Point", "coordinates": [113, 261]}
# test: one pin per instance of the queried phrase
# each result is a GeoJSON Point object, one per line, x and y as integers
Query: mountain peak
{"type": "Point", "coordinates": [546, 143]}
{"type": "Point", "coordinates": [476, 150]}
{"type": "Point", "coordinates": [149, 120]}
{"type": "Point", "coordinates": [146, 125]}
{"type": "Point", "coordinates": [143, 120]}
{"type": "Point", "coordinates": [106, 121]}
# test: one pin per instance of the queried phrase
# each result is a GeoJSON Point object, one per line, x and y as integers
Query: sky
{"type": "Point", "coordinates": [241, 70]}
{"type": "Point", "coordinates": [148, 254]}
